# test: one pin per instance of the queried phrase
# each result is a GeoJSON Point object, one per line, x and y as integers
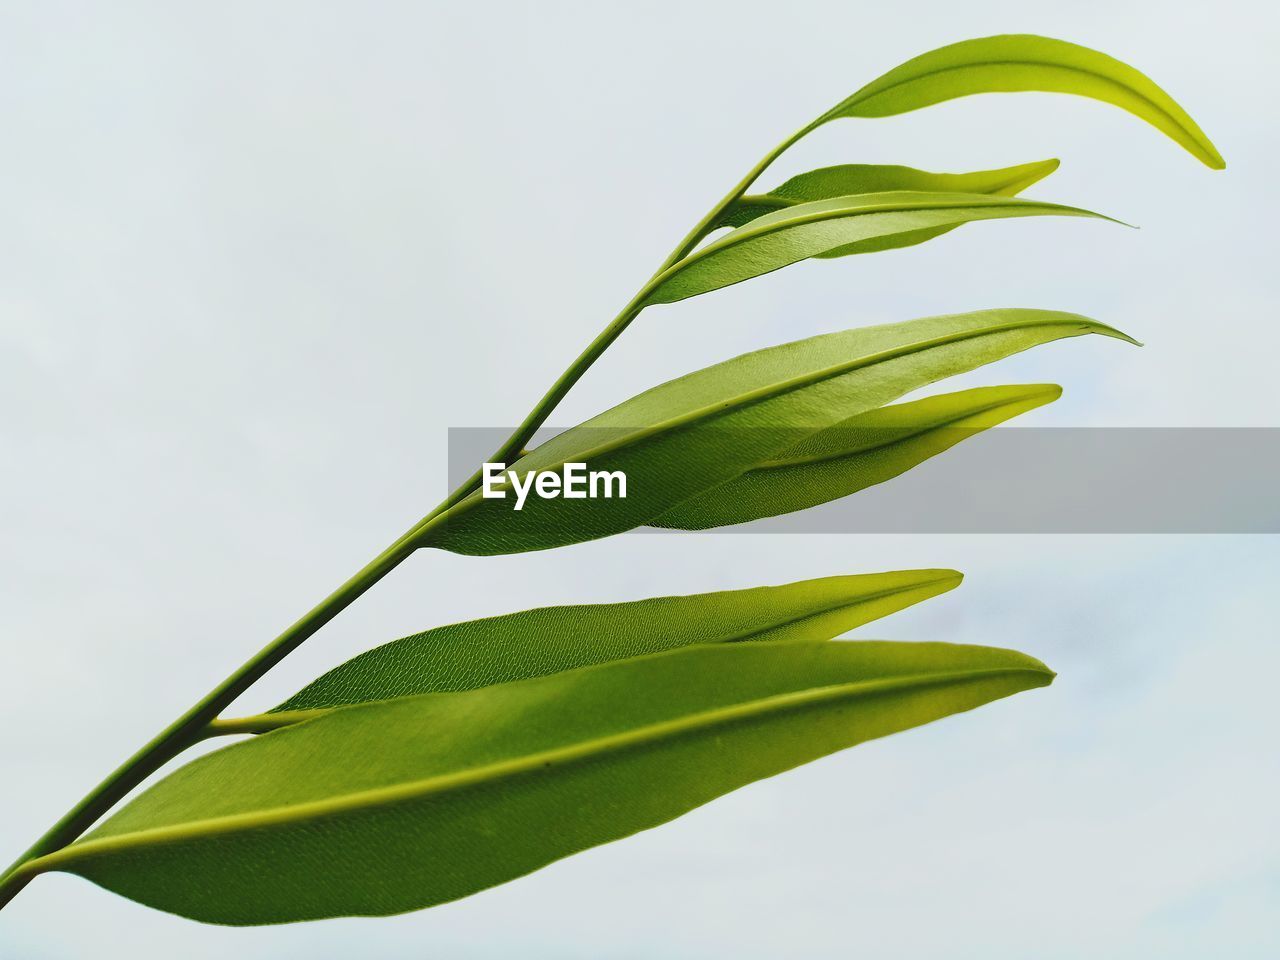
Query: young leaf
{"type": "Point", "coordinates": [682, 438]}
{"type": "Point", "coordinates": [835, 227]}
{"type": "Point", "coordinates": [864, 450]}
{"type": "Point", "coordinates": [533, 643]}
{"type": "Point", "coordinates": [848, 179]}
{"type": "Point", "coordinates": [441, 795]}
{"type": "Point", "coordinates": [1022, 62]}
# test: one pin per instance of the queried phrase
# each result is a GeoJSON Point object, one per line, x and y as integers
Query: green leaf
{"type": "Point", "coordinates": [1022, 62]}
{"type": "Point", "coordinates": [682, 438]}
{"type": "Point", "coordinates": [848, 179]}
{"type": "Point", "coordinates": [441, 795]}
{"type": "Point", "coordinates": [533, 643]}
{"type": "Point", "coordinates": [864, 450]}
{"type": "Point", "coordinates": [833, 227]}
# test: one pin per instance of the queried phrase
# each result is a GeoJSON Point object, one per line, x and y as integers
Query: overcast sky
{"type": "Point", "coordinates": [257, 259]}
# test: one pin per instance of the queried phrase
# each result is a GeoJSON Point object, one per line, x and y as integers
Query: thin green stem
{"type": "Point", "coordinates": [192, 725]}
{"type": "Point", "coordinates": [712, 219]}
{"type": "Point", "coordinates": [574, 372]}
{"type": "Point", "coordinates": [202, 719]}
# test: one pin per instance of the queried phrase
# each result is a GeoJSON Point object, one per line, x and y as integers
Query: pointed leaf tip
{"type": "Point", "coordinates": [1104, 329]}
{"type": "Point", "coordinates": [1109, 331]}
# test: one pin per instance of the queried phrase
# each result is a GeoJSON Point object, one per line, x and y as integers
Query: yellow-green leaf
{"type": "Point", "coordinates": [1023, 62]}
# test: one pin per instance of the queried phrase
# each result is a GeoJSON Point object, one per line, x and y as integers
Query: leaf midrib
{"type": "Point", "coordinates": [507, 769]}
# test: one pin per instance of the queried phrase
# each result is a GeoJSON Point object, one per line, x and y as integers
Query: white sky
{"type": "Point", "coordinates": [258, 258]}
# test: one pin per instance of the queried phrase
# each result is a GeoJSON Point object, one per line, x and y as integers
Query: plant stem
{"type": "Point", "coordinates": [201, 720]}
{"type": "Point", "coordinates": [551, 399]}
{"type": "Point", "coordinates": [192, 725]}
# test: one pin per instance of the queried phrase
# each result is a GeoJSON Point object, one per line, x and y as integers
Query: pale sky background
{"type": "Point", "coordinates": [257, 258]}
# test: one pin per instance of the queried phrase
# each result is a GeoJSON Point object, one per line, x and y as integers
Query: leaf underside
{"type": "Point", "coordinates": [533, 643]}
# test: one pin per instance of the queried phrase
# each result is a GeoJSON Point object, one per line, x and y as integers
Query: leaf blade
{"type": "Point", "coordinates": [546, 640]}
{"type": "Point", "coordinates": [1012, 63]}
{"type": "Point", "coordinates": [853, 224]}
{"type": "Point", "coordinates": [863, 451]}
{"type": "Point", "coordinates": [469, 790]}
{"type": "Point", "coordinates": [826, 183]}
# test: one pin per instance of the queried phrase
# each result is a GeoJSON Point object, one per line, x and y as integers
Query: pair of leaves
{"type": "Point", "coordinates": [442, 795]}
{"type": "Point", "coordinates": [1001, 64]}
{"type": "Point", "coordinates": [684, 438]}
{"type": "Point", "coordinates": [847, 179]}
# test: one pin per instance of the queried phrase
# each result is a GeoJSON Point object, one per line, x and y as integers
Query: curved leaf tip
{"type": "Point", "coordinates": [1012, 63]}
{"type": "Point", "coordinates": [1103, 329]}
